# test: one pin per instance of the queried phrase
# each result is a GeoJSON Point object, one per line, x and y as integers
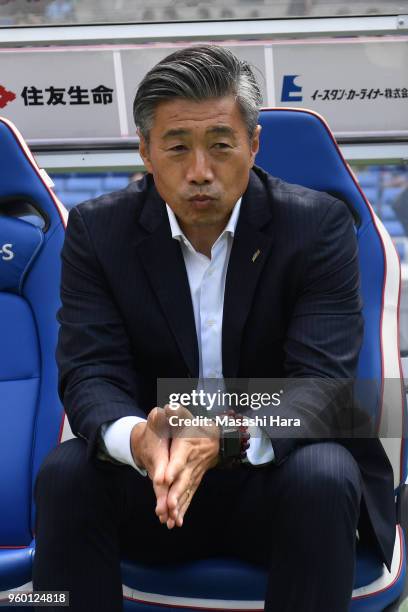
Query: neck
{"type": "Point", "coordinates": [203, 237]}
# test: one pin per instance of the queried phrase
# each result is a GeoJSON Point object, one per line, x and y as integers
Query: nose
{"type": "Point", "coordinates": [199, 171]}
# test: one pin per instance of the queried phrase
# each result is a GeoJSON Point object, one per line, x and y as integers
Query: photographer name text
{"type": "Point", "coordinates": [235, 421]}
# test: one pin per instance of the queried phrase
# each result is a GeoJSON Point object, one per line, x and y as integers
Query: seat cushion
{"type": "Point", "coordinates": [221, 578]}
{"type": "Point", "coordinates": [19, 388]}
{"type": "Point", "coordinates": [15, 567]}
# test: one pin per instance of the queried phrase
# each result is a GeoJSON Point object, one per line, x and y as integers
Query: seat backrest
{"type": "Point", "coordinates": [32, 223]}
{"type": "Point", "coordinates": [298, 146]}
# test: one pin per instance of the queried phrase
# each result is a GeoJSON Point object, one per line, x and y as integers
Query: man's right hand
{"type": "Point", "coordinates": [150, 444]}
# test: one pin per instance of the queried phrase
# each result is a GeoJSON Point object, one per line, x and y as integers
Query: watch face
{"type": "Point", "coordinates": [231, 443]}
{"type": "Point", "coordinates": [230, 430]}
{"type": "Point", "coordinates": [234, 442]}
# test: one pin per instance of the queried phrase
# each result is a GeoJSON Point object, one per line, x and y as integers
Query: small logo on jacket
{"type": "Point", "coordinates": [6, 252]}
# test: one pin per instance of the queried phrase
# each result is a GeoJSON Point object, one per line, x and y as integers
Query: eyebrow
{"type": "Point", "coordinates": [175, 132]}
{"type": "Point", "coordinates": [220, 130]}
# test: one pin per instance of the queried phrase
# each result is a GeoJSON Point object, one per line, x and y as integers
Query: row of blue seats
{"type": "Point", "coordinates": [73, 189]}
{"type": "Point", "coordinates": [370, 181]}
{"type": "Point", "coordinates": [372, 177]}
{"type": "Point", "coordinates": [97, 185]}
{"type": "Point", "coordinates": [381, 196]}
{"type": "Point", "coordinates": [76, 182]}
{"type": "Point", "coordinates": [367, 179]}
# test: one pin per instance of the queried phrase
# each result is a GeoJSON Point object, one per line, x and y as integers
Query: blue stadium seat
{"type": "Point", "coordinates": [32, 224]}
{"type": "Point", "coordinates": [297, 146]}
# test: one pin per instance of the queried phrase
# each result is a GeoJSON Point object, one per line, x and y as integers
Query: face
{"type": "Point", "coordinates": [200, 156]}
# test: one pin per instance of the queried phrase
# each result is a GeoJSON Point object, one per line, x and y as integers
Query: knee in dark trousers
{"type": "Point", "coordinates": [322, 471]}
{"type": "Point", "coordinates": [79, 506]}
{"type": "Point", "coordinates": [70, 487]}
{"type": "Point", "coordinates": [314, 545]}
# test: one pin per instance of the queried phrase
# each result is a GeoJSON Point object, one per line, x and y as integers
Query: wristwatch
{"type": "Point", "coordinates": [234, 442]}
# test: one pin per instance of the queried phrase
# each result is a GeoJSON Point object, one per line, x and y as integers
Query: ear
{"type": "Point", "coordinates": [144, 152]}
{"type": "Point", "coordinates": [255, 143]}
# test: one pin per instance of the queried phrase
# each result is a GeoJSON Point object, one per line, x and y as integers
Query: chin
{"type": "Point", "coordinates": [206, 219]}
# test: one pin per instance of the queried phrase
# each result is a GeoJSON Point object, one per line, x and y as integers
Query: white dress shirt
{"type": "Point", "coordinates": [206, 277]}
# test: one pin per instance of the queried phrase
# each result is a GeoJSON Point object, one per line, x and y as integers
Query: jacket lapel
{"type": "Point", "coordinates": [248, 255]}
{"type": "Point", "coordinates": [163, 262]}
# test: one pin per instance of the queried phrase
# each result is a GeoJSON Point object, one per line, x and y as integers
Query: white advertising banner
{"type": "Point", "coordinates": [85, 94]}
{"type": "Point", "coordinates": [359, 87]}
{"type": "Point", "coordinates": [57, 94]}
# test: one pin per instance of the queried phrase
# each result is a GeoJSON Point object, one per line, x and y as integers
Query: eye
{"type": "Point", "coordinates": [178, 148]}
{"type": "Point", "coordinates": [222, 145]}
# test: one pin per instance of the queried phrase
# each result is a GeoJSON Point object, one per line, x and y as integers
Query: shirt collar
{"type": "Point", "coordinates": [177, 233]}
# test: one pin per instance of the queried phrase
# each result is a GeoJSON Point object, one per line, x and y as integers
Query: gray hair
{"type": "Point", "coordinates": [198, 73]}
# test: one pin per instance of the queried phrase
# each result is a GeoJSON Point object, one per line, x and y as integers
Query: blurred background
{"type": "Point", "coordinates": [43, 12]}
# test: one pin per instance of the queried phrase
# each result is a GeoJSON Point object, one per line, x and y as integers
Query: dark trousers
{"type": "Point", "coordinates": [299, 519]}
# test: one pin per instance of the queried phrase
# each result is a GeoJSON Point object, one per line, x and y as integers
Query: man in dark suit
{"type": "Point", "coordinates": [208, 268]}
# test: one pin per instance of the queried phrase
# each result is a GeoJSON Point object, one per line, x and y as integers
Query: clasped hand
{"type": "Point", "coordinates": [176, 458]}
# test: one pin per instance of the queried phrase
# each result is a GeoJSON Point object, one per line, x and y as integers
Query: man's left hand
{"type": "Point", "coordinates": [193, 451]}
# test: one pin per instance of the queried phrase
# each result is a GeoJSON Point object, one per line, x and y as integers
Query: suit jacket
{"type": "Point", "coordinates": [127, 316]}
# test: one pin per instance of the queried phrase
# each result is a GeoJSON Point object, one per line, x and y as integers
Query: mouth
{"type": "Point", "coordinates": [201, 201]}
